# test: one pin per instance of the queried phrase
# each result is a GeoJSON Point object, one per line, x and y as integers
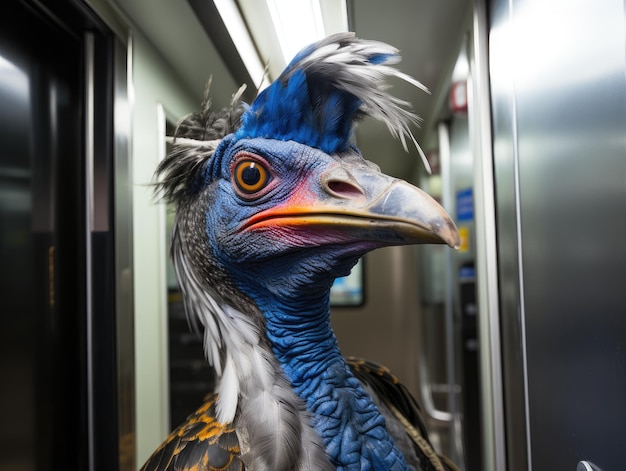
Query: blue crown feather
{"type": "Point", "coordinates": [326, 89]}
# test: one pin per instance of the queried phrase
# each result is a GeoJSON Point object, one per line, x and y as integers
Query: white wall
{"type": "Point", "coordinates": [155, 89]}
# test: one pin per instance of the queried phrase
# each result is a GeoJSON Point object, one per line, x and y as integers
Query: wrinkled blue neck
{"type": "Point", "coordinates": [350, 425]}
{"type": "Point", "coordinates": [293, 293]}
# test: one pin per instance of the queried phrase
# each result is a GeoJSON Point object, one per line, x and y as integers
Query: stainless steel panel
{"type": "Point", "coordinates": [559, 127]}
{"type": "Point", "coordinates": [88, 229]}
{"type": "Point", "coordinates": [489, 332]}
{"type": "Point", "coordinates": [125, 320]}
{"type": "Point", "coordinates": [507, 194]}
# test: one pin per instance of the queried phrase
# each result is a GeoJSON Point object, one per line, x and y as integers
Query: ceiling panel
{"type": "Point", "coordinates": [429, 35]}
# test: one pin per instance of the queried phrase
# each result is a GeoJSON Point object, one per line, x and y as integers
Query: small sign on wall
{"type": "Point", "coordinates": [464, 235]}
{"type": "Point", "coordinates": [465, 205]}
{"type": "Point", "coordinates": [458, 97]}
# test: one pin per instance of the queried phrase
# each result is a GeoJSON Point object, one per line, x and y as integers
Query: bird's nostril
{"type": "Point", "coordinates": [344, 189]}
{"type": "Point", "coordinates": [340, 183]}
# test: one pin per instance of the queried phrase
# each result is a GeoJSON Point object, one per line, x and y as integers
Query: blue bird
{"type": "Point", "coordinates": [274, 202]}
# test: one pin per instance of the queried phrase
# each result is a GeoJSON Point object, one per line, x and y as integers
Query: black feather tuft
{"type": "Point", "coordinates": [208, 125]}
{"type": "Point", "coordinates": [196, 137]}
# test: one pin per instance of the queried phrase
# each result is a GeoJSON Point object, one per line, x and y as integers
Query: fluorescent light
{"type": "Point", "coordinates": [335, 15]}
{"type": "Point", "coordinates": [274, 31]}
{"type": "Point", "coordinates": [241, 37]}
{"type": "Point", "coordinates": [297, 23]}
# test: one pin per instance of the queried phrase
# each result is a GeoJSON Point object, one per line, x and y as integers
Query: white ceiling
{"type": "Point", "coordinates": [428, 33]}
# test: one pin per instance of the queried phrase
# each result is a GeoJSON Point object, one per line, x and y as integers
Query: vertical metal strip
{"type": "Point", "coordinates": [520, 266]}
{"type": "Point", "coordinates": [490, 358]}
{"type": "Point", "coordinates": [122, 66]}
{"type": "Point", "coordinates": [89, 224]}
{"type": "Point", "coordinates": [447, 199]}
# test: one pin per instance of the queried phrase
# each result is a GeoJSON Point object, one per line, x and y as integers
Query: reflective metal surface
{"type": "Point", "coordinates": [489, 333]}
{"type": "Point", "coordinates": [125, 320]}
{"type": "Point", "coordinates": [60, 304]}
{"type": "Point", "coordinates": [41, 289]}
{"type": "Point", "coordinates": [89, 228]}
{"type": "Point", "coordinates": [559, 95]}
{"type": "Point", "coordinates": [510, 281]}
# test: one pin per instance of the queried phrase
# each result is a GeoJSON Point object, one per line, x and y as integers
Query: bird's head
{"type": "Point", "coordinates": [275, 197]}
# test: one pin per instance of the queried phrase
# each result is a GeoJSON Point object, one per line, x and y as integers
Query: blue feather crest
{"type": "Point", "coordinates": [301, 110]}
{"type": "Point", "coordinates": [325, 90]}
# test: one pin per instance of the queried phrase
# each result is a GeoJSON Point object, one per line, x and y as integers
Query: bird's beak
{"type": "Point", "coordinates": [367, 204]}
{"type": "Point", "coordinates": [411, 215]}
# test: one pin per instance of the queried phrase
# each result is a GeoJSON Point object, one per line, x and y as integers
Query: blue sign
{"type": "Point", "coordinates": [465, 205]}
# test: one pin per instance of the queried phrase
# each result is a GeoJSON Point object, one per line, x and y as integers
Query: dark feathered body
{"type": "Point", "coordinates": [274, 201]}
{"type": "Point", "coordinates": [201, 436]}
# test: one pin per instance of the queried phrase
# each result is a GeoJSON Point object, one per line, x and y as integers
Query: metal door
{"type": "Point", "coordinates": [558, 90]}
{"type": "Point", "coordinates": [61, 244]}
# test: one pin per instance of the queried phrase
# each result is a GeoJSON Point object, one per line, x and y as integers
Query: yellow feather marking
{"type": "Point", "coordinates": [202, 426]}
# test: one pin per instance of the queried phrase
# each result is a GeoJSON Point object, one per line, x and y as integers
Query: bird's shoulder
{"type": "Point", "coordinates": [200, 442]}
{"type": "Point", "coordinates": [388, 388]}
{"type": "Point", "coordinates": [400, 406]}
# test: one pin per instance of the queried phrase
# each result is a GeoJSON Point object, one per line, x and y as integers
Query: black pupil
{"type": "Point", "coordinates": [251, 175]}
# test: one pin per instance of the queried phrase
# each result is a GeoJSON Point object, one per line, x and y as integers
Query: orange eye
{"type": "Point", "coordinates": [250, 176]}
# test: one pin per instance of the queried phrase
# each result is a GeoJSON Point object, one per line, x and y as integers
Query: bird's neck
{"type": "Point", "coordinates": [345, 417]}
